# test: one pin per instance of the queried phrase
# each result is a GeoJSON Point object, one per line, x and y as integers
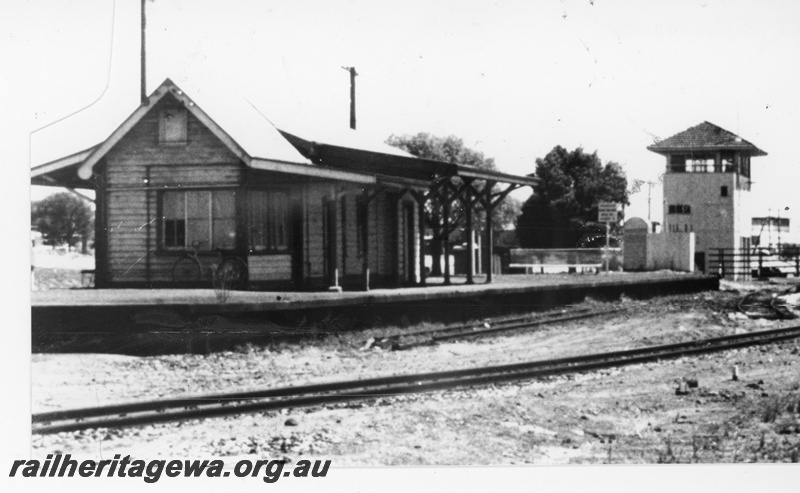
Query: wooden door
{"type": "Point", "coordinates": [409, 246]}
{"type": "Point", "coordinates": [329, 240]}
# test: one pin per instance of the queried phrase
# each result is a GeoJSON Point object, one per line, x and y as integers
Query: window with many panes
{"type": "Point", "coordinates": [745, 166]}
{"type": "Point", "coordinates": [702, 164]}
{"type": "Point", "coordinates": [679, 209]}
{"type": "Point", "coordinates": [727, 162]}
{"type": "Point", "coordinates": [269, 220]}
{"type": "Point", "coordinates": [677, 163]}
{"type": "Point", "coordinates": [202, 219]}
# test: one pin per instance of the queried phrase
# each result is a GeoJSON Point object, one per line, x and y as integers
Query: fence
{"type": "Point", "coordinates": [729, 262]}
{"type": "Point", "coordinates": [553, 260]}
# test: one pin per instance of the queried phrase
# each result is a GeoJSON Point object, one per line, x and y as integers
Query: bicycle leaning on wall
{"type": "Point", "coordinates": [229, 273]}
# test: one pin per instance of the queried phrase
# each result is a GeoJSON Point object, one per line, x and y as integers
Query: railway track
{"type": "Point", "coordinates": [425, 338]}
{"type": "Point", "coordinates": [142, 413]}
{"type": "Point", "coordinates": [767, 305]}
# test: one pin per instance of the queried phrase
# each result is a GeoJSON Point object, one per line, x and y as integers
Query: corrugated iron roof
{"type": "Point", "coordinates": [333, 153]}
{"type": "Point", "coordinates": [246, 125]}
{"type": "Point", "coordinates": [343, 137]}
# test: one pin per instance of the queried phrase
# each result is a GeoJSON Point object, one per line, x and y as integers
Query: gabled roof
{"type": "Point", "coordinates": [706, 137]}
{"type": "Point", "coordinates": [343, 155]}
{"type": "Point", "coordinates": [252, 138]}
{"type": "Point", "coordinates": [236, 123]}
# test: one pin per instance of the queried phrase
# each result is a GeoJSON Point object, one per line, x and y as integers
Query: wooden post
{"type": "Point", "coordinates": [469, 234]}
{"type": "Point", "coordinates": [489, 233]}
{"type": "Point", "coordinates": [150, 247]}
{"type": "Point", "coordinates": [353, 97]}
{"type": "Point", "coordinates": [421, 227]}
{"type": "Point", "coordinates": [748, 270]}
{"type": "Point", "coordinates": [365, 232]}
{"type": "Point", "coordinates": [446, 233]}
{"type": "Point", "coordinates": [143, 57]}
{"type": "Point", "coordinates": [353, 75]}
{"type": "Point", "coordinates": [100, 230]}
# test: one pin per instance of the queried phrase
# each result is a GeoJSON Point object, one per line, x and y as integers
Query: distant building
{"type": "Point", "coordinates": [36, 238]}
{"type": "Point", "coordinates": [707, 187]}
{"type": "Point", "coordinates": [770, 231]}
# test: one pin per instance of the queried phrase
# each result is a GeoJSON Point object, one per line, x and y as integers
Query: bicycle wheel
{"type": "Point", "coordinates": [231, 274]}
{"type": "Point", "coordinates": [187, 273]}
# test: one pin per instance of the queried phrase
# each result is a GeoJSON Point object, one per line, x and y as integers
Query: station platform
{"type": "Point", "coordinates": [165, 321]}
{"type": "Point", "coordinates": [209, 301]}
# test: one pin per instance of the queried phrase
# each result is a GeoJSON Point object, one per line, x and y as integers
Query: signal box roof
{"type": "Point", "coordinates": [705, 137]}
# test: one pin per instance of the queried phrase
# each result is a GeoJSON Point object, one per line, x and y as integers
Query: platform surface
{"type": "Point", "coordinates": [270, 300]}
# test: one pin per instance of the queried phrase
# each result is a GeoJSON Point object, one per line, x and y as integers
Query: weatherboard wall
{"type": "Point", "coordinates": [139, 168]}
{"type": "Point", "coordinates": [136, 169]}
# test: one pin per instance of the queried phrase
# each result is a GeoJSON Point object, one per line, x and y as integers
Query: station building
{"type": "Point", "coordinates": [303, 212]}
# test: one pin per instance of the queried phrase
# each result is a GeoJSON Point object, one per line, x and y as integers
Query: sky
{"type": "Point", "coordinates": [511, 78]}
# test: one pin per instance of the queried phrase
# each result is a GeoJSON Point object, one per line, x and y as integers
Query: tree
{"type": "Point", "coordinates": [562, 212]}
{"type": "Point", "coordinates": [63, 218]}
{"type": "Point", "coordinates": [451, 149]}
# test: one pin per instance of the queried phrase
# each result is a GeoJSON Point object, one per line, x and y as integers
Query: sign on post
{"type": "Point", "coordinates": [607, 212]}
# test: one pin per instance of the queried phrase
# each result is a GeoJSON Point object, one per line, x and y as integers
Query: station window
{"type": "Point", "coordinates": [723, 191]}
{"type": "Point", "coordinates": [204, 219]}
{"type": "Point", "coordinates": [269, 220]}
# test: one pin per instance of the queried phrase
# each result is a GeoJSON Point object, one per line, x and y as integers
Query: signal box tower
{"type": "Point", "coordinates": [707, 188]}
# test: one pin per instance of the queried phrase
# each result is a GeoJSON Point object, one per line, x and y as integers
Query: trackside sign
{"type": "Point", "coordinates": [607, 212]}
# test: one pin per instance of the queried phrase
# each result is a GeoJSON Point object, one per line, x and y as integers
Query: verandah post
{"type": "Point", "coordinates": [469, 233]}
{"type": "Point", "coordinates": [489, 231]}
{"type": "Point", "coordinates": [446, 233]}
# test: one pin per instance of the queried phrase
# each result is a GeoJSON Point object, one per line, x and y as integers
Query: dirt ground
{"type": "Point", "coordinates": [625, 415]}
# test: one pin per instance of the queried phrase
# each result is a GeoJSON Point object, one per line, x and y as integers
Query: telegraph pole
{"type": "Point", "coordinates": [650, 185]}
{"type": "Point", "coordinates": [143, 58]}
{"type": "Point", "coordinates": [353, 74]}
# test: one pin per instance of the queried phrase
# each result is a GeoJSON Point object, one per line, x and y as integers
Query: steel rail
{"type": "Point", "coordinates": [318, 394]}
{"type": "Point", "coordinates": [280, 392]}
{"type": "Point", "coordinates": [504, 328]}
{"type": "Point", "coordinates": [501, 322]}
